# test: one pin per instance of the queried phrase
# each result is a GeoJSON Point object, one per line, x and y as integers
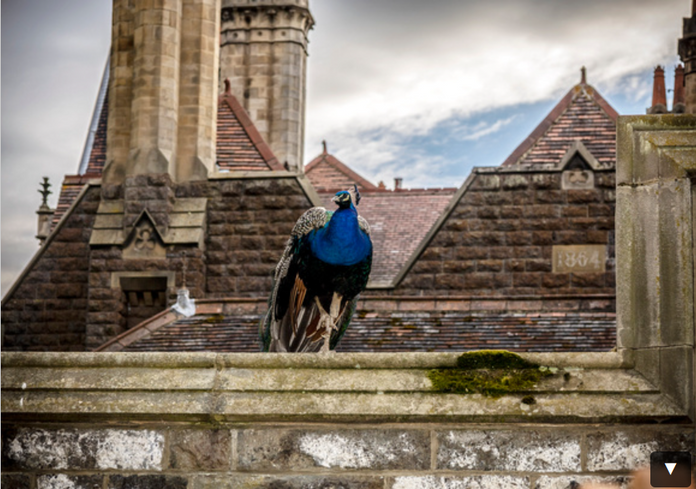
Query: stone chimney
{"type": "Point", "coordinates": [264, 54]}
{"type": "Point", "coordinates": [659, 98]}
{"type": "Point", "coordinates": [678, 105]}
{"type": "Point", "coordinates": [163, 89]}
{"type": "Point", "coordinates": [45, 213]}
{"type": "Point", "coordinates": [687, 53]}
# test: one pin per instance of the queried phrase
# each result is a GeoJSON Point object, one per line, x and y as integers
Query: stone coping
{"type": "Point", "coordinates": [338, 387]}
{"type": "Point", "coordinates": [386, 361]}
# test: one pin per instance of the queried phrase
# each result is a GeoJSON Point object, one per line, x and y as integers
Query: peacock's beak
{"type": "Point", "coordinates": [342, 197]}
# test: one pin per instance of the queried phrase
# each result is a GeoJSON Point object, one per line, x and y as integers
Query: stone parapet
{"type": "Point", "coordinates": [298, 420]}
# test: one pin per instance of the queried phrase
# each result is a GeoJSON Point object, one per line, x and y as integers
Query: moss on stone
{"type": "Point", "coordinates": [214, 319]}
{"type": "Point", "coordinates": [489, 372]}
{"type": "Point", "coordinates": [493, 359]}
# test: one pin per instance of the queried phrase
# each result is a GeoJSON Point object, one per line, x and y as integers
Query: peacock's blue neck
{"type": "Point", "coordinates": [341, 241]}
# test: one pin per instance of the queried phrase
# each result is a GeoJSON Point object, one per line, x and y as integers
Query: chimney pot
{"type": "Point", "coordinates": [583, 76]}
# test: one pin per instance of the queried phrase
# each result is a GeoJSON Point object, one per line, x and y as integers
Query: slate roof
{"type": "Point", "coordinates": [72, 185]}
{"type": "Point", "coordinates": [328, 173]}
{"type": "Point", "coordinates": [240, 146]}
{"type": "Point", "coordinates": [402, 331]}
{"type": "Point", "coordinates": [582, 115]}
{"type": "Point", "coordinates": [399, 220]}
{"type": "Point", "coordinates": [97, 155]}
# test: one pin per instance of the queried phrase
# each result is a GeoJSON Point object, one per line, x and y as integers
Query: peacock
{"type": "Point", "coordinates": [325, 266]}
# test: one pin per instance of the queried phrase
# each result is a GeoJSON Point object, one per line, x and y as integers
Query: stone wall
{"type": "Point", "coordinates": [48, 308]}
{"type": "Point", "coordinates": [249, 223]}
{"type": "Point", "coordinates": [499, 238]}
{"type": "Point", "coordinates": [327, 456]}
{"type": "Point", "coordinates": [72, 296]}
{"type": "Point", "coordinates": [300, 421]}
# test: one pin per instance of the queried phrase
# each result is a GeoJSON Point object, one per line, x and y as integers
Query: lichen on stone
{"type": "Point", "coordinates": [489, 372]}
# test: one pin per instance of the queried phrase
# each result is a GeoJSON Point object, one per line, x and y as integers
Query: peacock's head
{"type": "Point", "coordinates": [345, 198]}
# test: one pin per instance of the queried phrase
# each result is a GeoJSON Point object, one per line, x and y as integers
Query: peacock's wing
{"type": "Point", "coordinates": [278, 330]}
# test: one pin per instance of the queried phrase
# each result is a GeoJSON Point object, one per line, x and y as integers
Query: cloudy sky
{"type": "Point", "coordinates": [423, 90]}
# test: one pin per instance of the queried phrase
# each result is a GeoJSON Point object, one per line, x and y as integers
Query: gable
{"type": "Point", "coordinates": [582, 115]}
{"type": "Point", "coordinates": [326, 172]}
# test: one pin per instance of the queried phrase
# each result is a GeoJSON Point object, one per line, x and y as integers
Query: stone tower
{"type": "Point", "coordinates": [687, 52]}
{"type": "Point", "coordinates": [263, 52]}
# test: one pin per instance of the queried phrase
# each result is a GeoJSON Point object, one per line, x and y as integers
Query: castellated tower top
{"type": "Point", "coordinates": [263, 52]}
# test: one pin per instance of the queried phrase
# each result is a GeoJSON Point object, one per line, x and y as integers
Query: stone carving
{"type": "Point", "coordinates": [144, 240]}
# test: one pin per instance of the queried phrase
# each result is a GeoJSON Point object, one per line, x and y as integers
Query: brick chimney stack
{"type": "Point", "coordinates": [678, 106]}
{"type": "Point", "coordinates": [398, 182]}
{"type": "Point", "coordinates": [659, 98]}
{"type": "Point", "coordinates": [687, 53]}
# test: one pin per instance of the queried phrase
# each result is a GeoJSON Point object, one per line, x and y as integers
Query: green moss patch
{"type": "Point", "coordinates": [489, 372]}
{"type": "Point", "coordinates": [214, 319]}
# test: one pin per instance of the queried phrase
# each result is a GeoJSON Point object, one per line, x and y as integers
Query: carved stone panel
{"type": "Point", "coordinates": [145, 242]}
{"type": "Point", "coordinates": [579, 259]}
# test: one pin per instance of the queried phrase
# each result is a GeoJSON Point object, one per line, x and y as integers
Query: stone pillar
{"type": "Point", "coordinates": [687, 52]}
{"type": "Point", "coordinates": [163, 79]}
{"type": "Point", "coordinates": [655, 204]}
{"type": "Point", "coordinates": [264, 55]}
{"type": "Point", "coordinates": [200, 54]}
{"type": "Point", "coordinates": [120, 91]}
{"type": "Point", "coordinates": [154, 116]}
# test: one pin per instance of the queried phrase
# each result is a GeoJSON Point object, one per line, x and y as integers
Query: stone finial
{"type": "Point", "coordinates": [323, 144]}
{"type": "Point", "coordinates": [45, 185]}
{"type": "Point", "coordinates": [583, 76]}
{"type": "Point", "coordinates": [381, 185]}
{"type": "Point", "coordinates": [44, 213]}
{"type": "Point", "coordinates": [659, 98]}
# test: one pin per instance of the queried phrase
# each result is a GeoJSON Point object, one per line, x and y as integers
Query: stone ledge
{"type": "Point", "coordinates": [343, 387]}
{"type": "Point", "coordinates": [391, 361]}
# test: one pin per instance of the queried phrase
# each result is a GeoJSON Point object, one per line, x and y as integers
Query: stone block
{"type": "Point", "coordinates": [550, 197]}
{"type": "Point", "coordinates": [15, 481]}
{"type": "Point", "coordinates": [238, 481]}
{"type": "Point", "coordinates": [42, 449]}
{"type": "Point", "coordinates": [200, 450]}
{"type": "Point", "coordinates": [570, 482]}
{"type": "Point", "coordinates": [147, 482]}
{"type": "Point", "coordinates": [508, 450]}
{"type": "Point", "coordinates": [473, 482]}
{"type": "Point", "coordinates": [346, 449]}
{"type": "Point", "coordinates": [629, 449]}
{"type": "Point", "coordinates": [62, 481]}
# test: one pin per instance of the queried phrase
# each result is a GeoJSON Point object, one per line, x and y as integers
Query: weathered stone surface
{"type": "Point", "coordinates": [82, 449]}
{"type": "Point", "coordinates": [628, 450]}
{"type": "Point", "coordinates": [147, 482]}
{"type": "Point", "coordinates": [508, 450]}
{"type": "Point", "coordinates": [238, 481]}
{"type": "Point", "coordinates": [571, 482]}
{"type": "Point", "coordinates": [15, 481]}
{"type": "Point", "coordinates": [200, 449]}
{"type": "Point", "coordinates": [62, 481]}
{"type": "Point", "coordinates": [473, 482]}
{"type": "Point", "coordinates": [345, 449]}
